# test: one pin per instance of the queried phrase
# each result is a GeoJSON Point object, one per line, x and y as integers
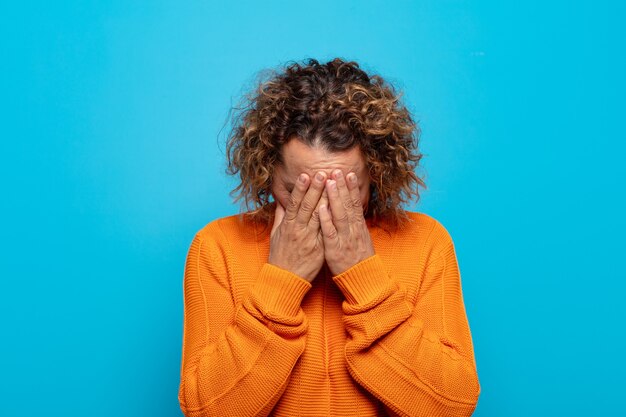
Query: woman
{"type": "Point", "coordinates": [327, 298]}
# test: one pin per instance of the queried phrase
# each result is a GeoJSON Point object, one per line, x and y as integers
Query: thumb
{"type": "Point", "coordinates": [278, 217]}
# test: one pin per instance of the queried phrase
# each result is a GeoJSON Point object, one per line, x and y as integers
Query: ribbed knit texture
{"type": "Point", "coordinates": [389, 336]}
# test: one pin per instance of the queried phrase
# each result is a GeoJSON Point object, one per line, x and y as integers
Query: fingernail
{"type": "Point", "coordinates": [302, 178]}
{"type": "Point", "coordinates": [319, 176]}
{"type": "Point", "coordinates": [352, 177]}
{"type": "Point", "coordinates": [338, 174]}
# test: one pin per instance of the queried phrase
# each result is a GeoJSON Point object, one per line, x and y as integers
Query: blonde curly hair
{"type": "Point", "coordinates": [335, 105]}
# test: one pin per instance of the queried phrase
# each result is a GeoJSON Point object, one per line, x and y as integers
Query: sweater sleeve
{"type": "Point", "coordinates": [237, 359]}
{"type": "Point", "coordinates": [417, 358]}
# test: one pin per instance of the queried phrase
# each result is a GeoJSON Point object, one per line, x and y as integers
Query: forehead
{"type": "Point", "coordinates": [299, 157]}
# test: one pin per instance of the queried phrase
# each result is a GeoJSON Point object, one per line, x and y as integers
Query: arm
{"type": "Point", "coordinates": [414, 353]}
{"type": "Point", "coordinates": [237, 359]}
{"type": "Point", "coordinates": [417, 359]}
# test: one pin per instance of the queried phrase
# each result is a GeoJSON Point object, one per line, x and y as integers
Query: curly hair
{"type": "Point", "coordinates": [334, 105]}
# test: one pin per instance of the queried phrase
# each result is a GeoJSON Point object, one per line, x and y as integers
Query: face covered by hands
{"type": "Point", "coordinates": [319, 219]}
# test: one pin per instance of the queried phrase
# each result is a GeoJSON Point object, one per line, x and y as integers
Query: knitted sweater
{"type": "Point", "coordinates": [389, 336]}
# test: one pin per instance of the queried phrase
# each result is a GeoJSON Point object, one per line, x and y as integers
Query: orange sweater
{"type": "Point", "coordinates": [389, 336]}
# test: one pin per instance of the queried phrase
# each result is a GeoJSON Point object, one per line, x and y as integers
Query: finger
{"type": "Point", "coordinates": [298, 192]}
{"type": "Point", "coordinates": [311, 198]}
{"type": "Point", "coordinates": [355, 194]}
{"type": "Point", "coordinates": [329, 232]}
{"type": "Point", "coordinates": [314, 223]}
{"type": "Point", "coordinates": [339, 213]}
{"type": "Point", "coordinates": [344, 193]}
{"type": "Point", "coordinates": [278, 217]}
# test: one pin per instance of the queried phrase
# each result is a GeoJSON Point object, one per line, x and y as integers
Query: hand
{"type": "Point", "coordinates": [296, 242]}
{"type": "Point", "coordinates": [347, 240]}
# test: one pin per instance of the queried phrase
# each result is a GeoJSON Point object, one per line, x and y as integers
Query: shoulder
{"type": "Point", "coordinates": [428, 230]}
{"type": "Point", "coordinates": [214, 229]}
{"type": "Point", "coordinates": [230, 230]}
{"type": "Point", "coordinates": [210, 244]}
{"type": "Point", "coordinates": [426, 223]}
{"type": "Point", "coordinates": [424, 238]}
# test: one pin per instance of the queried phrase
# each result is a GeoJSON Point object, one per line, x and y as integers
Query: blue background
{"type": "Point", "coordinates": [113, 120]}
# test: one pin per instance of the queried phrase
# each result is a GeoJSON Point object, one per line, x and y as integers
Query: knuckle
{"type": "Point", "coordinates": [306, 205]}
{"type": "Point", "coordinates": [292, 203]}
{"type": "Point", "coordinates": [332, 234]}
{"type": "Point", "coordinates": [344, 217]}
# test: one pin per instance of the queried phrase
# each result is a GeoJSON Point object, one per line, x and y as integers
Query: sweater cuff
{"type": "Point", "coordinates": [364, 281]}
{"type": "Point", "coordinates": [279, 292]}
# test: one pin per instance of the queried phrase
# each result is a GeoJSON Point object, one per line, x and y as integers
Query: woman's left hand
{"type": "Point", "coordinates": [347, 240]}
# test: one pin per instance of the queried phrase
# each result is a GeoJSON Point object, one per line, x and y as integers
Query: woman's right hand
{"type": "Point", "coordinates": [296, 242]}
